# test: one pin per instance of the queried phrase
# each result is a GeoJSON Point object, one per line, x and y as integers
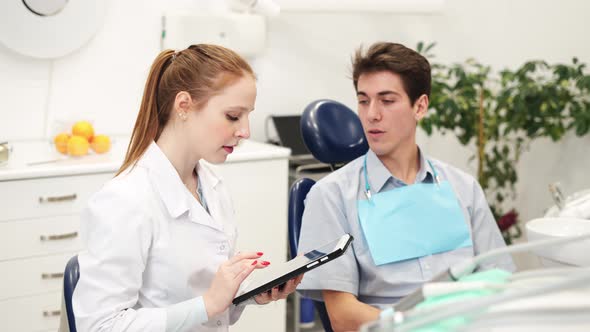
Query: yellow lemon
{"type": "Point", "coordinates": [61, 142]}
{"type": "Point", "coordinates": [84, 129]}
{"type": "Point", "coordinates": [101, 143]}
{"type": "Point", "coordinates": [78, 146]}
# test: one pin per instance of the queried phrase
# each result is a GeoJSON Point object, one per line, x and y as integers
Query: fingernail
{"type": "Point", "coordinates": [265, 263]}
{"type": "Point", "coordinates": [259, 253]}
{"type": "Point", "coordinates": [254, 262]}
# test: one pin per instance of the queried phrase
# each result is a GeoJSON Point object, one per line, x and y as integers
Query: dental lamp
{"type": "Point", "coordinates": [48, 29]}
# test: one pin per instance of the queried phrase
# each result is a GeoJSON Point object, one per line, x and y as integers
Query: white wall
{"type": "Point", "coordinates": [308, 57]}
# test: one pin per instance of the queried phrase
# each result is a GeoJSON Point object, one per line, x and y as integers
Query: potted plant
{"type": "Point", "coordinates": [501, 112]}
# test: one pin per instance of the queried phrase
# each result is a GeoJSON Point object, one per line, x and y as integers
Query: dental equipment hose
{"type": "Point", "coordinates": [455, 272]}
{"type": "Point", "coordinates": [432, 315]}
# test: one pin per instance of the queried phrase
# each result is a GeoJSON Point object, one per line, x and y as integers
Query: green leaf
{"type": "Point", "coordinates": [419, 47]}
{"type": "Point", "coordinates": [429, 47]}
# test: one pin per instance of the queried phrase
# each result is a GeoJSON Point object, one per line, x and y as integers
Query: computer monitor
{"type": "Point", "coordinates": [288, 128]}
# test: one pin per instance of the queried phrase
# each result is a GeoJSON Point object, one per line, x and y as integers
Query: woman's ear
{"type": "Point", "coordinates": [421, 107]}
{"type": "Point", "coordinates": [182, 102]}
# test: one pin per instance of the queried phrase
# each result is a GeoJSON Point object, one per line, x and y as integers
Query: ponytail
{"type": "Point", "coordinates": [147, 128]}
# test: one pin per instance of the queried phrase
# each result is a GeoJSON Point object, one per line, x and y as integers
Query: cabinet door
{"type": "Point", "coordinates": [34, 198]}
{"type": "Point", "coordinates": [32, 313]}
{"type": "Point", "coordinates": [37, 237]}
{"type": "Point", "coordinates": [25, 277]}
{"type": "Point", "coordinates": [259, 191]}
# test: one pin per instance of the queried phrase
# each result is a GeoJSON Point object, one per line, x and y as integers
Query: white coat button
{"type": "Point", "coordinates": [222, 247]}
{"type": "Point", "coordinates": [218, 323]}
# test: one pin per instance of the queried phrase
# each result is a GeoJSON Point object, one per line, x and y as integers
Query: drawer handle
{"type": "Point", "coordinates": [58, 236]}
{"type": "Point", "coordinates": [51, 313]}
{"type": "Point", "coordinates": [52, 275]}
{"type": "Point", "coordinates": [54, 199]}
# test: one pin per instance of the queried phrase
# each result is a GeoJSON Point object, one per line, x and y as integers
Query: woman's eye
{"type": "Point", "coordinates": [231, 118]}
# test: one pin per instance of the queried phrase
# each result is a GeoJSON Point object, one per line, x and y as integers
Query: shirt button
{"type": "Point", "coordinates": [218, 323]}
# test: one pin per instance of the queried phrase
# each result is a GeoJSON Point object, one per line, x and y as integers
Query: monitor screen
{"type": "Point", "coordinates": [288, 128]}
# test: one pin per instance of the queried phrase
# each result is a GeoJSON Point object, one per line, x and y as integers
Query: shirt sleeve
{"type": "Point", "coordinates": [486, 234]}
{"type": "Point", "coordinates": [324, 220]}
{"type": "Point", "coordinates": [118, 237]}
{"type": "Point", "coordinates": [184, 316]}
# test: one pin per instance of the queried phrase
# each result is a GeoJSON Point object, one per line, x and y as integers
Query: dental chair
{"type": "Point", "coordinates": [333, 132]}
{"type": "Point", "coordinates": [71, 276]}
{"type": "Point", "coordinates": [334, 135]}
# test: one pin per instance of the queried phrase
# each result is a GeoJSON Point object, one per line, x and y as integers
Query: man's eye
{"type": "Point", "coordinates": [363, 102]}
{"type": "Point", "coordinates": [231, 118]}
{"type": "Point", "coordinates": [387, 101]}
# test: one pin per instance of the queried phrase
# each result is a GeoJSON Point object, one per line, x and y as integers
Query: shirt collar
{"type": "Point", "coordinates": [378, 174]}
{"type": "Point", "coordinates": [170, 187]}
{"type": "Point", "coordinates": [425, 173]}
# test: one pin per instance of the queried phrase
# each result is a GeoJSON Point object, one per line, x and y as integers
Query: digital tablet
{"type": "Point", "coordinates": [277, 274]}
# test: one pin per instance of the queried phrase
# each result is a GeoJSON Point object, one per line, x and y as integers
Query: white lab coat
{"type": "Point", "coordinates": [151, 245]}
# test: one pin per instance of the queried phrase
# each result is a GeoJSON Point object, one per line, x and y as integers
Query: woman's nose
{"type": "Point", "coordinates": [244, 131]}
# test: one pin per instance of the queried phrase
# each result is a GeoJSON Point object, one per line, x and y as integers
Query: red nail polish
{"type": "Point", "coordinates": [259, 253]}
{"type": "Point", "coordinates": [254, 262]}
{"type": "Point", "coordinates": [265, 263]}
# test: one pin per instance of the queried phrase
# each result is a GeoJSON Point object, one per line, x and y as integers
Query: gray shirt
{"type": "Point", "coordinates": [331, 210]}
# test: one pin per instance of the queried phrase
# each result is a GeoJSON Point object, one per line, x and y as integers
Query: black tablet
{"type": "Point", "coordinates": [277, 274]}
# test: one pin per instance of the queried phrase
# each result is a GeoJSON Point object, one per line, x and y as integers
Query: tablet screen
{"type": "Point", "coordinates": [282, 272]}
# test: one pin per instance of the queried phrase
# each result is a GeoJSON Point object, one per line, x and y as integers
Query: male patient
{"type": "Point", "coordinates": [411, 216]}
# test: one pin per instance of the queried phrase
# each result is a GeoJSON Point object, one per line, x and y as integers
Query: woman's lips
{"type": "Point", "coordinates": [228, 149]}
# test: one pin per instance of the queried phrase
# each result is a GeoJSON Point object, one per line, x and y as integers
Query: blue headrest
{"type": "Point", "coordinates": [297, 195]}
{"type": "Point", "coordinates": [332, 132]}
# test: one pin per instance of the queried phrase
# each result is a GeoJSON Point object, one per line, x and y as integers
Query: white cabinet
{"type": "Point", "coordinates": [39, 224]}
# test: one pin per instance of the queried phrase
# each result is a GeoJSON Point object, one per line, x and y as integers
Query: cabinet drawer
{"type": "Point", "coordinates": [35, 198]}
{"type": "Point", "coordinates": [35, 237]}
{"type": "Point", "coordinates": [34, 313]}
{"type": "Point", "coordinates": [32, 276]}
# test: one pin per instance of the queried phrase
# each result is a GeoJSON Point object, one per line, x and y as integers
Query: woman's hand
{"type": "Point", "coordinates": [275, 294]}
{"type": "Point", "coordinates": [227, 280]}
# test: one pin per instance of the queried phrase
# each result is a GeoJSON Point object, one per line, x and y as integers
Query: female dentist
{"type": "Point", "coordinates": [160, 236]}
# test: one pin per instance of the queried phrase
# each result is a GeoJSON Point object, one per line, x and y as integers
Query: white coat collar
{"type": "Point", "coordinates": [171, 189]}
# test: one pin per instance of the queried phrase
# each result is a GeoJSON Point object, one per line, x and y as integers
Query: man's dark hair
{"type": "Point", "coordinates": [411, 66]}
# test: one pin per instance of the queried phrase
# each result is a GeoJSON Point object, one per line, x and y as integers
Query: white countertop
{"type": "Point", "coordinates": [38, 159]}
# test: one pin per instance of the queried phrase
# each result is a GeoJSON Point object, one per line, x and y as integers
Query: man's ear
{"type": "Point", "coordinates": [421, 107]}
